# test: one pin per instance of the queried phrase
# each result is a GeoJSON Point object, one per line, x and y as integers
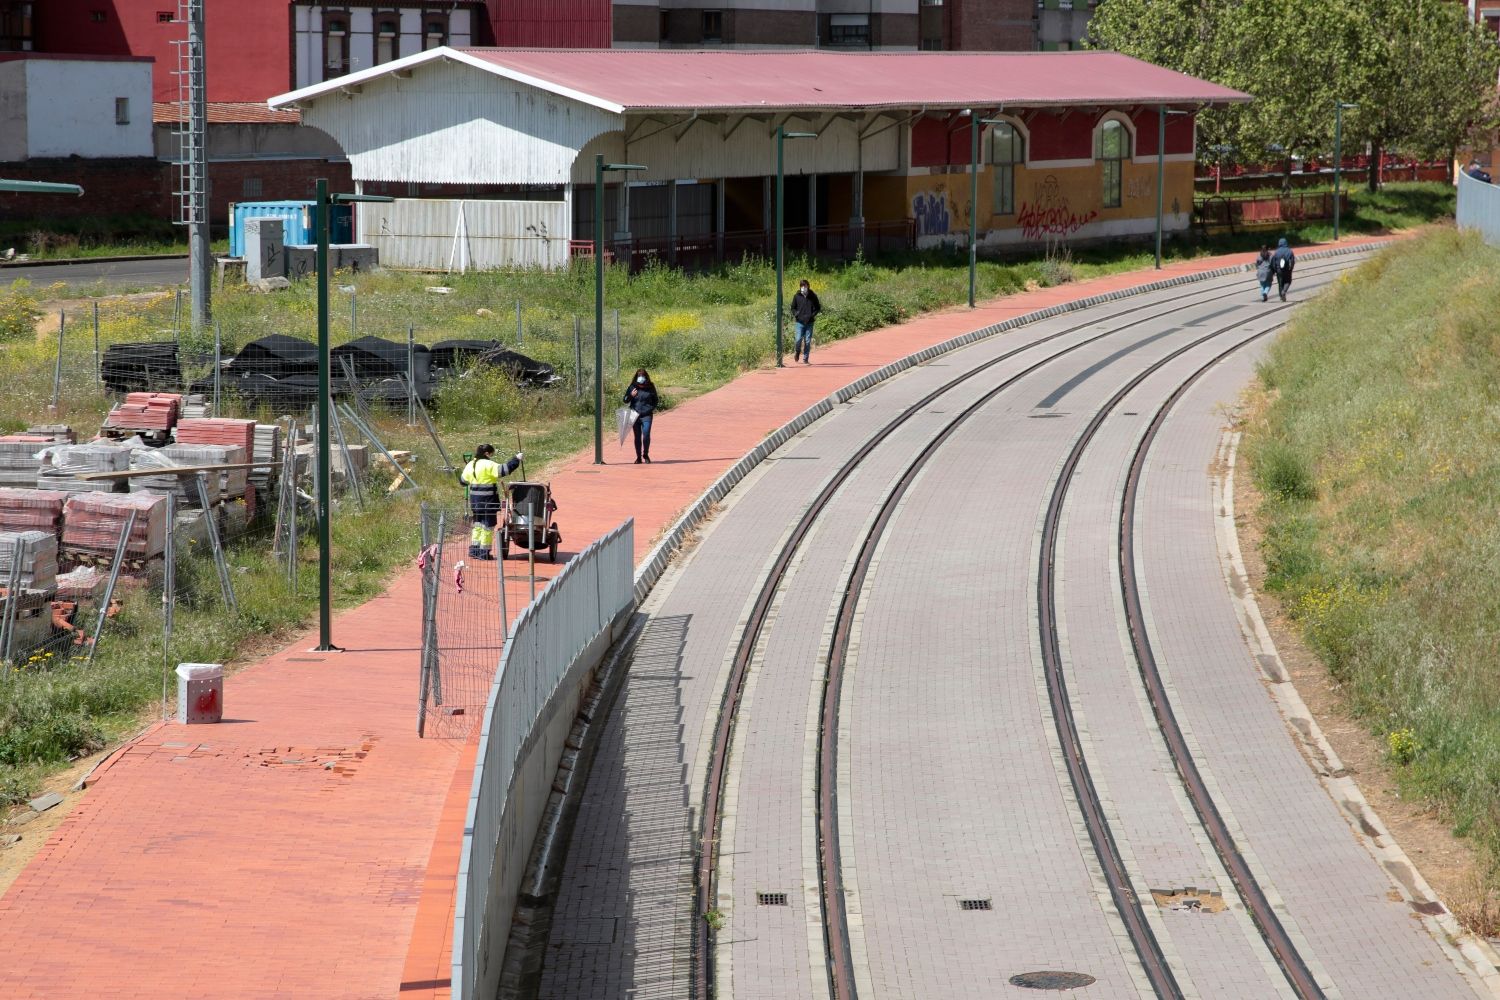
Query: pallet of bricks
{"type": "Point", "coordinates": [152, 415]}
{"type": "Point", "coordinates": [64, 466]}
{"type": "Point", "coordinates": [94, 522]}
{"type": "Point", "coordinates": [225, 487]}
{"type": "Point", "coordinates": [225, 433]}
{"type": "Point", "coordinates": [28, 586]}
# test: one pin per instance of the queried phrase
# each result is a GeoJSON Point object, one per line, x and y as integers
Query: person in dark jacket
{"type": "Point", "coordinates": [1478, 172]}
{"type": "Point", "coordinates": [1263, 272]}
{"type": "Point", "coordinates": [641, 397]}
{"type": "Point", "coordinates": [1282, 262]}
{"type": "Point", "coordinates": [805, 309]}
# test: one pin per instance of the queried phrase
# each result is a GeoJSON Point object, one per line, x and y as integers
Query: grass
{"type": "Point", "coordinates": [693, 332]}
{"type": "Point", "coordinates": [1379, 457]}
{"type": "Point", "coordinates": [63, 238]}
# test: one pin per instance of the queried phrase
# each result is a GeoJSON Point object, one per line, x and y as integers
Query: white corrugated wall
{"type": "Point", "coordinates": [451, 235]}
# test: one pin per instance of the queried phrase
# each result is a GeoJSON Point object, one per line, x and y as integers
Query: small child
{"type": "Point", "coordinates": [1263, 272]}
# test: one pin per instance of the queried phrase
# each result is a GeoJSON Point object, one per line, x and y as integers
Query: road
{"type": "Point", "coordinates": [954, 691]}
{"type": "Point", "coordinates": [151, 273]}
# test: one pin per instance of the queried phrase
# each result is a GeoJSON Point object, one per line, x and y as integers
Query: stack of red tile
{"type": "Point", "coordinates": [145, 411]}
{"type": "Point", "coordinates": [31, 510]}
{"type": "Point", "coordinates": [229, 433]}
{"type": "Point", "coordinates": [92, 523]}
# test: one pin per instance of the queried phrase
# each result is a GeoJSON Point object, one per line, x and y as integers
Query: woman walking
{"type": "Point", "coordinates": [642, 399]}
{"type": "Point", "coordinates": [1263, 272]}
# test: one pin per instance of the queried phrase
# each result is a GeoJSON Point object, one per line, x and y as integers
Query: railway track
{"type": "Point", "coordinates": [840, 964]}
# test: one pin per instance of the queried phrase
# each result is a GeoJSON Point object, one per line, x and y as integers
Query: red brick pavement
{"type": "Point", "coordinates": [308, 845]}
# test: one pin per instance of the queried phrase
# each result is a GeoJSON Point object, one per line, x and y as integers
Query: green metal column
{"type": "Point", "coordinates": [973, 199]}
{"type": "Point", "coordinates": [599, 309]}
{"type": "Point", "coordinates": [780, 186]}
{"type": "Point", "coordinates": [1338, 161]}
{"type": "Point", "coordinates": [325, 477]}
{"type": "Point", "coordinates": [1161, 167]}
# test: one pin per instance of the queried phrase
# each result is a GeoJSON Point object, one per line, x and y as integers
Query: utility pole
{"type": "Point", "coordinates": [192, 156]}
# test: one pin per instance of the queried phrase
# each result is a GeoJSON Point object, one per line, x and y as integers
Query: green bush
{"type": "Point", "coordinates": [1282, 471]}
{"type": "Point", "coordinates": [18, 312]}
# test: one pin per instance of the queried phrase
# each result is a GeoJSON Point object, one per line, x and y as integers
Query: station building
{"type": "Point", "coordinates": [1068, 147]}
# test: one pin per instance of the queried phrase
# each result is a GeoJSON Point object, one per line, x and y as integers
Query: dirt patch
{"type": "Point", "coordinates": [1454, 867]}
{"type": "Point", "coordinates": [1189, 899]}
{"type": "Point", "coordinates": [81, 310]}
{"type": "Point", "coordinates": [35, 828]}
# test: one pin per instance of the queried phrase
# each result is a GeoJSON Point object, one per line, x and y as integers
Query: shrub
{"type": "Point", "coordinates": [1402, 744]}
{"type": "Point", "coordinates": [1283, 471]}
{"type": "Point", "coordinates": [18, 312]}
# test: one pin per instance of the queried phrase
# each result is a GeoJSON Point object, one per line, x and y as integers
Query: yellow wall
{"type": "Point", "coordinates": [1049, 202]}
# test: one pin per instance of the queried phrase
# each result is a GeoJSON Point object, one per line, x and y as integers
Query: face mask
{"type": "Point", "coordinates": [804, 288]}
{"type": "Point", "coordinates": [640, 380]}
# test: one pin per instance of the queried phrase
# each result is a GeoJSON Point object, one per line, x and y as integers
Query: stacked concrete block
{"type": "Point", "coordinates": [38, 551]}
{"type": "Point", "coordinates": [92, 524]}
{"type": "Point", "coordinates": [31, 510]}
{"type": "Point", "coordinates": [65, 463]}
{"type": "Point", "coordinates": [148, 412]}
{"type": "Point", "coordinates": [18, 458]}
{"type": "Point", "coordinates": [222, 484]}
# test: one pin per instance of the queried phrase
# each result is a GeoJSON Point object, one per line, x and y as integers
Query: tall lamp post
{"type": "Point", "coordinates": [325, 479]}
{"type": "Point", "coordinates": [1339, 107]}
{"type": "Point", "coordinates": [599, 168]}
{"type": "Point", "coordinates": [974, 123]}
{"type": "Point", "coordinates": [782, 135]}
{"type": "Point", "coordinates": [1162, 111]}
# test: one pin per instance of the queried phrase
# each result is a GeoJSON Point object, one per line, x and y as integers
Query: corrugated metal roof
{"type": "Point", "coordinates": [623, 80]}
{"type": "Point", "coordinates": [221, 113]}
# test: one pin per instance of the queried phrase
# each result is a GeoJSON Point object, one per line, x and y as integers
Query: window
{"type": "Point", "coordinates": [1113, 149]}
{"type": "Point", "coordinates": [97, 16]}
{"type": "Point", "coordinates": [713, 25]}
{"type": "Point", "coordinates": [122, 111]}
{"type": "Point", "coordinates": [251, 187]}
{"type": "Point", "coordinates": [1007, 149]}
{"type": "Point", "coordinates": [850, 31]}
{"type": "Point", "coordinates": [335, 47]}
{"type": "Point", "coordinates": [664, 27]}
{"type": "Point", "coordinates": [164, 17]}
{"type": "Point", "coordinates": [931, 45]}
{"type": "Point", "coordinates": [434, 31]}
{"type": "Point", "coordinates": [15, 26]}
{"type": "Point", "coordinates": [387, 41]}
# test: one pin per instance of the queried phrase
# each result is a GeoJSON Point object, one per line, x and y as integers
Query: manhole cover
{"type": "Point", "coordinates": [1052, 980]}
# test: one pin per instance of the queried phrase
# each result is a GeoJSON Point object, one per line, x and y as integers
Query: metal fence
{"type": "Point", "coordinates": [550, 635]}
{"type": "Point", "coordinates": [1479, 208]}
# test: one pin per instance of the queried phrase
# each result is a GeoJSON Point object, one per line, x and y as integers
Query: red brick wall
{"type": "Point", "coordinates": [993, 25]}
{"type": "Point", "coordinates": [144, 186]}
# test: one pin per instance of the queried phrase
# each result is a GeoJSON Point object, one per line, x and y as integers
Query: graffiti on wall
{"type": "Point", "coordinates": [931, 212]}
{"type": "Point", "coordinates": [1049, 213]}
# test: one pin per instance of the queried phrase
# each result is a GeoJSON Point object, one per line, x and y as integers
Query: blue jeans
{"type": "Point", "coordinates": [804, 339]}
{"type": "Point", "coordinates": [642, 431]}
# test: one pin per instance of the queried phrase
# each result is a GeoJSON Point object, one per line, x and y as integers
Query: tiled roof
{"type": "Point", "coordinates": [235, 113]}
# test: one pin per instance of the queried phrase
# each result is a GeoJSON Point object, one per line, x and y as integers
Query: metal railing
{"type": "Point", "coordinates": [1479, 208]}
{"type": "Point", "coordinates": [705, 250]}
{"type": "Point", "coordinates": [550, 635]}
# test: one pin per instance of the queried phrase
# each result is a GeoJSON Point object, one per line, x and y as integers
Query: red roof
{"type": "Point", "coordinates": [646, 79]}
{"type": "Point", "coordinates": [219, 113]}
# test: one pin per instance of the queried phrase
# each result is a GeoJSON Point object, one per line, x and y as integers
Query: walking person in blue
{"type": "Point", "coordinates": [805, 309]}
{"type": "Point", "coordinates": [1282, 262]}
{"type": "Point", "coordinates": [642, 398]}
{"type": "Point", "coordinates": [1263, 272]}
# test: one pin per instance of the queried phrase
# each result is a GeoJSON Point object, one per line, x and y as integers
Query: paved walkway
{"type": "Point", "coordinates": [308, 847]}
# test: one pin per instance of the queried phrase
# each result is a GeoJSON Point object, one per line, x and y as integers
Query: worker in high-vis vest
{"type": "Point", "coordinates": [482, 479]}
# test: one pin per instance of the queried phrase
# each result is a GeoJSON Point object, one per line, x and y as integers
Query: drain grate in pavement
{"type": "Point", "coordinates": [975, 904]}
{"type": "Point", "coordinates": [770, 898]}
{"type": "Point", "coordinates": [1052, 980]}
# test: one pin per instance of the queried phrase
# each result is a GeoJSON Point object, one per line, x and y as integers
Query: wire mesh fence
{"type": "Point", "coordinates": [467, 605]}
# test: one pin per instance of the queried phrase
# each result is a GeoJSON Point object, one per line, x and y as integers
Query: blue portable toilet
{"type": "Point", "coordinates": [297, 222]}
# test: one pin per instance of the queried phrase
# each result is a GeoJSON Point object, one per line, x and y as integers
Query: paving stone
{"type": "Point", "coordinates": [44, 802]}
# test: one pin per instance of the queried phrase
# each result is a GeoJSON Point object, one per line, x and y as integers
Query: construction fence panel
{"type": "Point", "coordinates": [428, 234]}
{"type": "Point", "coordinates": [1479, 208]}
{"type": "Point", "coordinates": [571, 616]}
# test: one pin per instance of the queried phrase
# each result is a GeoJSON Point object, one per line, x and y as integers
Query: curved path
{"type": "Point", "coordinates": [1003, 800]}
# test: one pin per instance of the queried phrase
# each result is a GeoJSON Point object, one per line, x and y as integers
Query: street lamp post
{"type": "Point", "coordinates": [974, 123]}
{"type": "Point", "coordinates": [599, 168]}
{"type": "Point", "coordinates": [1339, 107]}
{"type": "Point", "coordinates": [325, 479]}
{"type": "Point", "coordinates": [782, 135]}
{"type": "Point", "coordinates": [1162, 111]}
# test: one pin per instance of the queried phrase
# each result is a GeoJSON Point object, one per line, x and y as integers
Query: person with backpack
{"type": "Point", "coordinates": [1263, 272]}
{"type": "Point", "coordinates": [481, 477]}
{"type": "Point", "coordinates": [1282, 262]}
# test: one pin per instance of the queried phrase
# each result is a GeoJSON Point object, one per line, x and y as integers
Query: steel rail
{"type": "Point", "coordinates": [840, 964]}
{"type": "Point", "coordinates": [1271, 929]}
{"type": "Point", "coordinates": [1131, 910]}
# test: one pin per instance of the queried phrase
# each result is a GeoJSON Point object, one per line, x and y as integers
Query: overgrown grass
{"type": "Point", "coordinates": [1379, 456]}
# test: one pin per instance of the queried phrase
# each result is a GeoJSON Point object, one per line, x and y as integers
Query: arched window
{"type": "Point", "coordinates": [1113, 150]}
{"type": "Point", "coordinates": [1007, 148]}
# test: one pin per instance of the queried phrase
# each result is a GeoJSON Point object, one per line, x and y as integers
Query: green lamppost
{"type": "Point", "coordinates": [1339, 107]}
{"type": "Point", "coordinates": [782, 135]}
{"type": "Point", "coordinates": [325, 479]}
{"type": "Point", "coordinates": [1162, 111]}
{"type": "Point", "coordinates": [599, 168]}
{"type": "Point", "coordinates": [974, 123]}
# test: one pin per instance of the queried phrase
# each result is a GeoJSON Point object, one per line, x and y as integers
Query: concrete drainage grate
{"type": "Point", "coordinates": [770, 898]}
{"type": "Point", "coordinates": [1052, 980]}
{"type": "Point", "coordinates": [975, 904]}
